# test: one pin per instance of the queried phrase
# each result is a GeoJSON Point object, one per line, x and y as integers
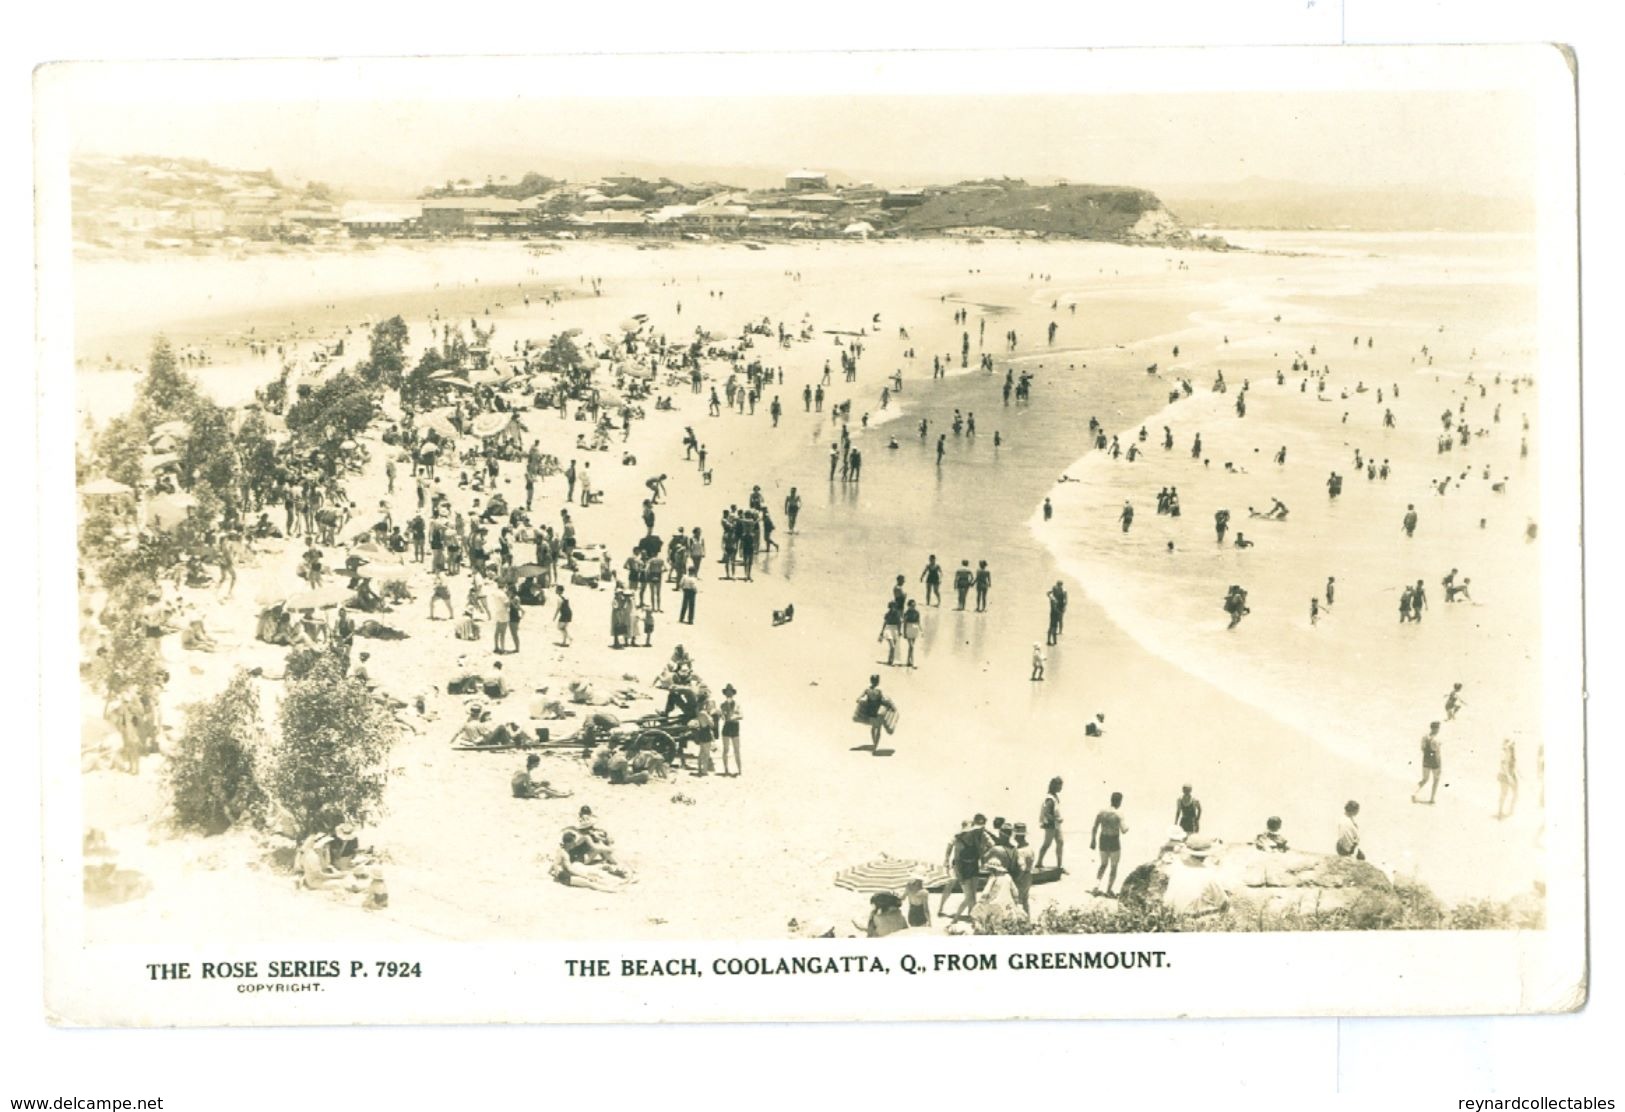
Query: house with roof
{"type": "Point", "coordinates": [473, 215]}
{"type": "Point", "coordinates": [806, 181]}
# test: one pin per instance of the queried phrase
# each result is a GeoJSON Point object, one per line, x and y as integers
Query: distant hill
{"type": "Point", "coordinates": [1287, 205]}
{"type": "Point", "coordinates": [1105, 212]}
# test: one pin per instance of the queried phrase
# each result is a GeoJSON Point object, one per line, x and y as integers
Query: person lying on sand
{"type": "Point", "coordinates": [785, 616]}
{"type": "Point", "coordinates": [568, 870]}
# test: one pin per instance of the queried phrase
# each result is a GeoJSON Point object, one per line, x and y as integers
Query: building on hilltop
{"type": "Point", "coordinates": [809, 181]}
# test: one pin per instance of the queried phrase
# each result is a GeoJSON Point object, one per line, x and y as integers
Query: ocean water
{"type": "Point", "coordinates": [1359, 681]}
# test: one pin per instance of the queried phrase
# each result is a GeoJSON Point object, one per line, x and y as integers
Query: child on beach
{"type": "Point", "coordinates": [1038, 661]}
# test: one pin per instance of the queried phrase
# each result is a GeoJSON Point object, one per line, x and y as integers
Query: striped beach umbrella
{"type": "Point", "coordinates": [888, 874]}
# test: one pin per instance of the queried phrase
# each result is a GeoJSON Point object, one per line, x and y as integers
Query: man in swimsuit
{"type": "Point", "coordinates": [932, 577]}
{"type": "Point", "coordinates": [1431, 764]}
{"type": "Point", "coordinates": [1107, 834]}
{"type": "Point", "coordinates": [964, 859]}
{"type": "Point", "coordinates": [1188, 812]}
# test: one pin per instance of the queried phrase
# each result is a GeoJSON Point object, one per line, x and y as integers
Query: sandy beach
{"type": "Point", "coordinates": [1319, 713]}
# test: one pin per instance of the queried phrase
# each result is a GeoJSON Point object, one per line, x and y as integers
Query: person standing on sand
{"type": "Point", "coordinates": [1188, 812]}
{"type": "Point", "coordinates": [964, 859]}
{"type": "Point", "coordinates": [984, 580]}
{"type": "Point", "coordinates": [1432, 763]}
{"type": "Point", "coordinates": [1409, 522]}
{"type": "Point", "coordinates": [1507, 776]}
{"type": "Point", "coordinates": [874, 706]}
{"type": "Point", "coordinates": [1331, 589]}
{"type": "Point", "coordinates": [1126, 516]}
{"type": "Point", "coordinates": [792, 508]}
{"type": "Point", "coordinates": [963, 579]}
{"type": "Point", "coordinates": [1108, 833]}
{"type": "Point", "coordinates": [1057, 611]}
{"type": "Point", "coordinates": [730, 716]}
{"type": "Point", "coordinates": [1419, 601]}
{"type": "Point", "coordinates": [1038, 662]}
{"type": "Point", "coordinates": [690, 586]}
{"type": "Point", "coordinates": [1049, 820]}
{"type": "Point", "coordinates": [932, 577]}
{"type": "Point", "coordinates": [891, 628]}
{"type": "Point", "coordinates": [564, 615]}
{"type": "Point", "coordinates": [510, 605]}
{"type": "Point", "coordinates": [1021, 858]}
{"type": "Point", "coordinates": [1221, 523]}
{"type": "Point", "coordinates": [911, 629]}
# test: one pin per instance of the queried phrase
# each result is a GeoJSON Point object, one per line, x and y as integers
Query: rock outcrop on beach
{"type": "Point", "coordinates": [1242, 879]}
{"type": "Point", "coordinates": [1116, 213]}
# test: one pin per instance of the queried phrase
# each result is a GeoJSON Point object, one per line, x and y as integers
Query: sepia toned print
{"type": "Point", "coordinates": [1098, 516]}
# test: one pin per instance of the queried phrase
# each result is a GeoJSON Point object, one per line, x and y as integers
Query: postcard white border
{"type": "Point", "coordinates": [1323, 974]}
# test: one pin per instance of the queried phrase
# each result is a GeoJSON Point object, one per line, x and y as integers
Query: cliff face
{"type": "Point", "coordinates": [1080, 211]}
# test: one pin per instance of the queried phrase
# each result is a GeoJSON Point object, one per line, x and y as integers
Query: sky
{"type": "Point", "coordinates": [391, 136]}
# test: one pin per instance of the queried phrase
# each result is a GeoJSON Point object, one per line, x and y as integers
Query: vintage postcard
{"type": "Point", "coordinates": [1056, 534]}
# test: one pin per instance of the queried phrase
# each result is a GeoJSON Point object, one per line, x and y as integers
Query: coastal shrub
{"type": "Point", "coordinates": [338, 409]}
{"type": "Point", "coordinates": [387, 361]}
{"type": "Point", "coordinates": [1406, 905]}
{"type": "Point", "coordinates": [119, 449]}
{"type": "Point", "coordinates": [420, 389]}
{"type": "Point", "coordinates": [301, 663]}
{"type": "Point", "coordinates": [167, 392]}
{"type": "Point", "coordinates": [1498, 915]}
{"type": "Point", "coordinates": [335, 742]}
{"type": "Point", "coordinates": [211, 775]}
{"type": "Point", "coordinates": [128, 665]}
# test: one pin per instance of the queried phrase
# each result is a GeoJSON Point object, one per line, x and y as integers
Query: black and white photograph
{"type": "Point", "coordinates": [1124, 514]}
